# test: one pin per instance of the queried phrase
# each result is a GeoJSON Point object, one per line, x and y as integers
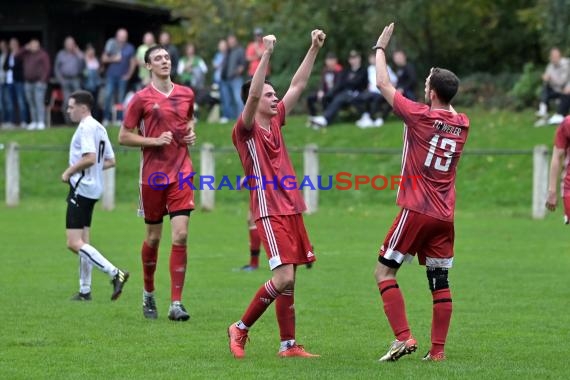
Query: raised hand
{"type": "Point", "coordinates": [269, 42]}
{"type": "Point", "coordinates": [318, 38]}
{"type": "Point", "coordinates": [384, 38]}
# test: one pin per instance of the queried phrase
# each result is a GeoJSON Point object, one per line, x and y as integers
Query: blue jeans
{"type": "Point", "coordinates": [14, 92]}
{"type": "Point", "coordinates": [68, 87]}
{"type": "Point", "coordinates": [113, 85]}
{"type": "Point", "coordinates": [230, 94]}
{"type": "Point", "coordinates": [36, 97]}
{"type": "Point", "coordinates": [3, 116]}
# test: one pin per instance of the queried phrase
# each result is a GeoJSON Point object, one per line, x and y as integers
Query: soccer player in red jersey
{"type": "Point", "coordinates": [560, 155]}
{"type": "Point", "coordinates": [277, 209]}
{"type": "Point", "coordinates": [434, 136]}
{"type": "Point", "coordinates": [159, 119]}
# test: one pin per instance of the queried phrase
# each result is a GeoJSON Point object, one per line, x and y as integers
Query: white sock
{"type": "Point", "coordinates": [85, 269]}
{"type": "Point", "coordinates": [147, 294]}
{"type": "Point", "coordinates": [286, 344]}
{"type": "Point", "coordinates": [240, 325]}
{"type": "Point", "coordinates": [91, 254]}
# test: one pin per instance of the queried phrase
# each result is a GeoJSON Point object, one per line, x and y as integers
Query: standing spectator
{"type": "Point", "coordinates": [330, 76]}
{"type": "Point", "coordinates": [68, 68]}
{"type": "Point", "coordinates": [232, 80]}
{"type": "Point", "coordinates": [164, 40]}
{"type": "Point", "coordinates": [144, 74]}
{"type": "Point", "coordinates": [370, 103]}
{"type": "Point", "coordinates": [120, 56]}
{"type": "Point", "coordinates": [159, 120]}
{"type": "Point", "coordinates": [3, 56]}
{"type": "Point", "coordinates": [406, 73]}
{"type": "Point", "coordinates": [218, 61]}
{"type": "Point", "coordinates": [90, 152]}
{"type": "Point", "coordinates": [192, 69]}
{"type": "Point", "coordinates": [558, 163]}
{"type": "Point", "coordinates": [556, 85]}
{"type": "Point", "coordinates": [92, 78]}
{"type": "Point", "coordinates": [191, 72]}
{"type": "Point", "coordinates": [254, 51]}
{"type": "Point", "coordinates": [353, 80]}
{"type": "Point", "coordinates": [37, 69]}
{"type": "Point", "coordinates": [15, 95]}
{"type": "Point", "coordinates": [434, 138]}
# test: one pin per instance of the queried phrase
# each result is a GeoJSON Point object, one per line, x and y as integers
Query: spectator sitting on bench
{"type": "Point", "coordinates": [370, 103]}
{"type": "Point", "coordinates": [353, 80]}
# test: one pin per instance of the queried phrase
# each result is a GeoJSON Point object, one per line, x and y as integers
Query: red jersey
{"type": "Point", "coordinates": [263, 154]}
{"type": "Point", "coordinates": [433, 142]}
{"type": "Point", "coordinates": [153, 113]}
{"type": "Point", "coordinates": [562, 141]}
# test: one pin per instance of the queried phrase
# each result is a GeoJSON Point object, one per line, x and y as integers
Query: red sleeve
{"type": "Point", "coordinates": [134, 113]}
{"type": "Point", "coordinates": [562, 136]}
{"type": "Point", "coordinates": [191, 108]}
{"type": "Point", "coordinates": [250, 52]}
{"type": "Point", "coordinates": [240, 133]}
{"type": "Point", "coordinates": [408, 110]}
{"type": "Point", "coordinates": [281, 113]}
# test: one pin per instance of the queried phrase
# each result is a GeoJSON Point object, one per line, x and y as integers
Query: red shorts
{"type": "Point", "coordinates": [285, 240]}
{"type": "Point", "coordinates": [155, 203]}
{"type": "Point", "coordinates": [414, 233]}
{"type": "Point", "coordinates": [566, 209]}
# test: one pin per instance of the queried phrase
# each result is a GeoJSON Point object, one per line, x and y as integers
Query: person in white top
{"type": "Point", "coordinates": [90, 153]}
{"type": "Point", "coordinates": [370, 103]}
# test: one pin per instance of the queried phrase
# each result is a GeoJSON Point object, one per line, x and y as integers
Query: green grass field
{"type": "Point", "coordinates": [509, 284]}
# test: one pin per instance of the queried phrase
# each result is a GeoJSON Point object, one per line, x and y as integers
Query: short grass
{"type": "Point", "coordinates": [510, 283]}
{"type": "Point", "coordinates": [510, 291]}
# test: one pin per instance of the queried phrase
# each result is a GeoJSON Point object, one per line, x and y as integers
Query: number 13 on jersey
{"type": "Point", "coordinates": [448, 148]}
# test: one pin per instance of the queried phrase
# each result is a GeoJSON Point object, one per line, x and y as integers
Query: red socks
{"type": "Point", "coordinates": [254, 245]}
{"type": "Point", "coordinates": [394, 308]}
{"type": "Point", "coordinates": [285, 310]}
{"type": "Point", "coordinates": [177, 271]}
{"type": "Point", "coordinates": [149, 256]}
{"type": "Point", "coordinates": [442, 308]}
{"type": "Point", "coordinates": [260, 302]}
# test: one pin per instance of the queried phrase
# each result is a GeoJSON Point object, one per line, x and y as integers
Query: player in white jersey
{"type": "Point", "coordinates": [90, 153]}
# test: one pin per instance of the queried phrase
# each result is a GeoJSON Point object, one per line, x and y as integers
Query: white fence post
{"type": "Point", "coordinates": [539, 181]}
{"type": "Point", "coordinates": [108, 198]}
{"type": "Point", "coordinates": [311, 169]}
{"type": "Point", "coordinates": [207, 168]}
{"type": "Point", "coordinates": [13, 175]}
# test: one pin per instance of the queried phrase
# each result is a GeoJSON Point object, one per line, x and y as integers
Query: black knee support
{"type": "Point", "coordinates": [437, 278]}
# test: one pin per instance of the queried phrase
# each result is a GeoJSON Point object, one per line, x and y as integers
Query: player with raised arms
{"type": "Point", "coordinates": [434, 136]}
{"type": "Point", "coordinates": [277, 211]}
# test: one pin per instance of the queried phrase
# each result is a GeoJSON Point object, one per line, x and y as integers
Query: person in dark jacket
{"type": "Point", "coordinates": [353, 80]}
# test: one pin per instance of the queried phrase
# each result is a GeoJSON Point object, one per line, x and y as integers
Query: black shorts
{"type": "Point", "coordinates": [79, 211]}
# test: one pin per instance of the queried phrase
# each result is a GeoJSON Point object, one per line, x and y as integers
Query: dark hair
{"type": "Point", "coordinates": [84, 98]}
{"type": "Point", "coordinates": [150, 50]}
{"type": "Point", "coordinates": [245, 89]}
{"type": "Point", "coordinates": [444, 83]}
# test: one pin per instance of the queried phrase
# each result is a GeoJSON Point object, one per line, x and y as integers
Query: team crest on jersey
{"type": "Point", "coordinates": [155, 106]}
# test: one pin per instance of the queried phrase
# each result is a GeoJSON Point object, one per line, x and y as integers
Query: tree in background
{"type": "Point", "coordinates": [472, 36]}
